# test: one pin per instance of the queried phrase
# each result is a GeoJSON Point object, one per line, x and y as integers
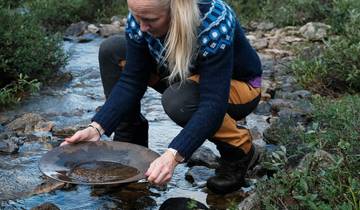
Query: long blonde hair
{"type": "Point", "coordinates": [181, 39]}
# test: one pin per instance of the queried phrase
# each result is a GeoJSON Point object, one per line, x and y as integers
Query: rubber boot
{"type": "Point", "coordinates": [234, 163]}
{"type": "Point", "coordinates": [135, 132]}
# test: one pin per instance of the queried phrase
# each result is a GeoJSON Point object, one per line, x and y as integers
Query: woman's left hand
{"type": "Point", "coordinates": [161, 169]}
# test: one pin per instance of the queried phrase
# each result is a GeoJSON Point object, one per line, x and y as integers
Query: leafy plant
{"type": "Point", "coordinates": [27, 54]}
{"type": "Point", "coordinates": [321, 184]}
{"type": "Point", "coordinates": [337, 69]}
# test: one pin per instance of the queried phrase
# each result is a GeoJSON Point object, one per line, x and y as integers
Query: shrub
{"type": "Point", "coordinates": [26, 52]}
{"type": "Point", "coordinates": [337, 70]}
{"type": "Point", "coordinates": [295, 12]}
{"type": "Point", "coordinates": [10, 3]}
{"type": "Point", "coordinates": [13, 93]}
{"type": "Point", "coordinates": [57, 15]}
{"type": "Point", "coordinates": [247, 10]}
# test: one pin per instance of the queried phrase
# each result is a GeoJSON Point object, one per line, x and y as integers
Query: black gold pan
{"type": "Point", "coordinates": [97, 163]}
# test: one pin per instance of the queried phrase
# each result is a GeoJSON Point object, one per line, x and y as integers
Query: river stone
{"type": "Point", "coordinates": [264, 26]}
{"type": "Point", "coordinates": [296, 95]}
{"type": "Point", "coordinates": [66, 132]}
{"type": "Point", "coordinates": [76, 29]}
{"type": "Point", "coordinates": [322, 158]}
{"type": "Point", "coordinates": [29, 123]}
{"type": "Point", "coordinates": [273, 134]}
{"type": "Point", "coordinates": [46, 206]}
{"type": "Point", "coordinates": [92, 28]}
{"type": "Point", "coordinates": [279, 104]}
{"type": "Point", "coordinates": [250, 202]}
{"type": "Point", "coordinates": [263, 108]}
{"type": "Point", "coordinates": [204, 156]}
{"type": "Point", "coordinates": [198, 175]}
{"type": "Point", "coordinates": [292, 114]}
{"type": "Point", "coordinates": [88, 37]}
{"type": "Point", "coordinates": [60, 78]}
{"type": "Point", "coordinates": [260, 44]}
{"type": "Point", "coordinates": [10, 143]}
{"type": "Point", "coordinates": [8, 147]}
{"type": "Point", "coordinates": [314, 31]}
{"type": "Point", "coordinates": [182, 203]}
{"type": "Point", "coordinates": [107, 30]}
{"type": "Point", "coordinates": [278, 53]}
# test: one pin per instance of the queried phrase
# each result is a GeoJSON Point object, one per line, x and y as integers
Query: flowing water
{"type": "Point", "coordinates": [75, 103]}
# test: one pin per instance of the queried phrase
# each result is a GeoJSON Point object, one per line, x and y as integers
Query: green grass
{"type": "Point", "coordinates": [334, 185]}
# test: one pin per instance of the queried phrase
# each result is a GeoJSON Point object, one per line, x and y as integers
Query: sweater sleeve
{"type": "Point", "coordinates": [131, 86]}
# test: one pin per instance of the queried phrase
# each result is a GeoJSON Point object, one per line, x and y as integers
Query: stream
{"type": "Point", "coordinates": [74, 104]}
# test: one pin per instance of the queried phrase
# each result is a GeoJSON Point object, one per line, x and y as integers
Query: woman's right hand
{"type": "Point", "coordinates": [87, 134]}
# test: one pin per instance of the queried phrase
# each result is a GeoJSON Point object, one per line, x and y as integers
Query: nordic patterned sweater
{"type": "Point", "coordinates": [224, 54]}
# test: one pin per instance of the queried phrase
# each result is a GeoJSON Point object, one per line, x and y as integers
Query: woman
{"type": "Point", "coordinates": [196, 54]}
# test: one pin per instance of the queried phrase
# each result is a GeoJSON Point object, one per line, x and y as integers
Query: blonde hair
{"type": "Point", "coordinates": [181, 39]}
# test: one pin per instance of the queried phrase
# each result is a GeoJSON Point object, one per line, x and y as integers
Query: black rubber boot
{"type": "Point", "coordinates": [234, 163]}
{"type": "Point", "coordinates": [135, 132]}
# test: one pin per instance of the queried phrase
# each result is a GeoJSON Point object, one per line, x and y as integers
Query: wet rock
{"type": "Point", "coordinates": [224, 202]}
{"type": "Point", "coordinates": [66, 132]}
{"type": "Point", "coordinates": [301, 94]}
{"type": "Point", "coordinates": [259, 44]}
{"type": "Point", "coordinates": [46, 206]}
{"type": "Point", "coordinates": [255, 133]}
{"type": "Point", "coordinates": [293, 114]}
{"type": "Point", "coordinates": [20, 180]}
{"type": "Point", "coordinates": [88, 37]}
{"type": "Point", "coordinates": [264, 108]}
{"type": "Point", "coordinates": [121, 20]}
{"type": "Point", "coordinates": [8, 147]}
{"type": "Point", "coordinates": [182, 203]}
{"type": "Point", "coordinates": [259, 143]}
{"type": "Point", "coordinates": [250, 202]}
{"type": "Point", "coordinates": [107, 30]}
{"type": "Point", "coordinates": [296, 95]}
{"type": "Point", "coordinates": [60, 78]}
{"type": "Point", "coordinates": [274, 133]}
{"type": "Point", "coordinates": [29, 123]}
{"type": "Point", "coordinates": [203, 157]}
{"type": "Point", "coordinates": [314, 31]}
{"type": "Point", "coordinates": [49, 185]}
{"type": "Point", "coordinates": [314, 51]}
{"type": "Point", "coordinates": [264, 26]}
{"type": "Point", "coordinates": [5, 119]}
{"type": "Point", "coordinates": [265, 96]}
{"type": "Point", "coordinates": [198, 175]}
{"type": "Point", "coordinates": [76, 29]}
{"type": "Point", "coordinates": [92, 28]}
{"type": "Point", "coordinates": [277, 53]}
{"type": "Point", "coordinates": [291, 39]}
{"type": "Point", "coordinates": [2, 128]}
{"type": "Point", "coordinates": [299, 111]}
{"type": "Point", "coordinates": [10, 143]}
{"type": "Point", "coordinates": [320, 158]}
{"type": "Point", "coordinates": [279, 104]}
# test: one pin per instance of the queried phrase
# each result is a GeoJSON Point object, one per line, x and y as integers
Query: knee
{"type": "Point", "coordinates": [180, 101]}
{"type": "Point", "coordinates": [112, 47]}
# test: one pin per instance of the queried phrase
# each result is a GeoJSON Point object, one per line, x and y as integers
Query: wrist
{"type": "Point", "coordinates": [177, 157]}
{"type": "Point", "coordinates": [97, 127]}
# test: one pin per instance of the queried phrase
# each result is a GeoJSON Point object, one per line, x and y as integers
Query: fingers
{"type": "Point", "coordinates": [86, 134]}
{"type": "Point", "coordinates": [161, 170]}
